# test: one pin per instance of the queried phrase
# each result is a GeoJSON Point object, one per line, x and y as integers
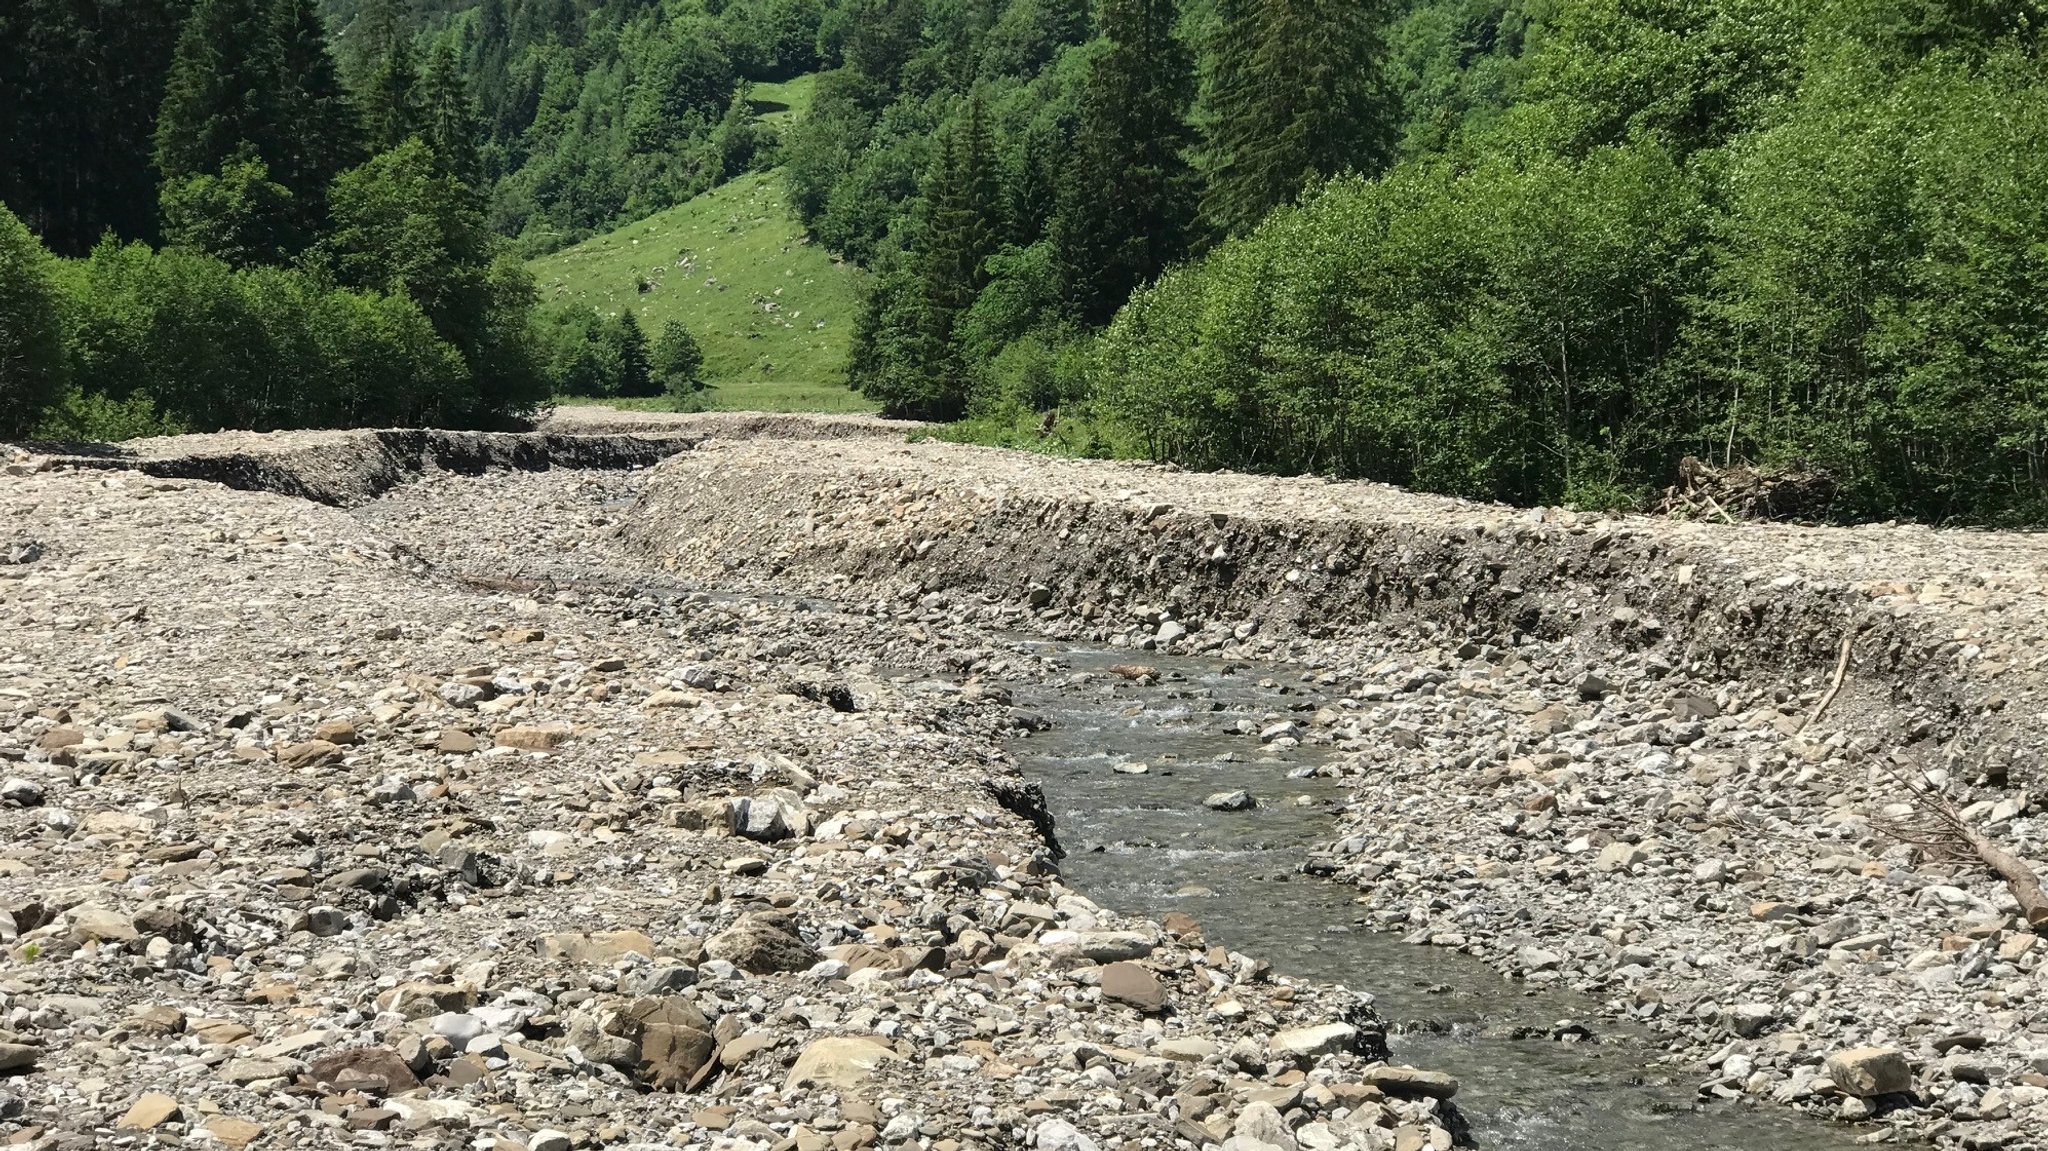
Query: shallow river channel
{"type": "Point", "coordinates": [1144, 843]}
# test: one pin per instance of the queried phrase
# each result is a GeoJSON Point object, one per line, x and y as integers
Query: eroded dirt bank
{"type": "Point", "coordinates": [1579, 747]}
{"type": "Point", "coordinates": [329, 825]}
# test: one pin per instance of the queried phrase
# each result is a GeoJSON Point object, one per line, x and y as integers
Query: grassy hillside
{"type": "Point", "coordinates": [781, 103]}
{"type": "Point", "coordinates": [773, 311]}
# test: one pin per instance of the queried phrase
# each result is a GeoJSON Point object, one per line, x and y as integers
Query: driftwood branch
{"type": "Point", "coordinates": [1943, 831]}
{"type": "Point", "coordinates": [1834, 685]}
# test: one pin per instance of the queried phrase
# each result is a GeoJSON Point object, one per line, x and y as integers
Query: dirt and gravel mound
{"type": "Point", "coordinates": [352, 466]}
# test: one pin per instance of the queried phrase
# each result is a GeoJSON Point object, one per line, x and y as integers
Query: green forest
{"type": "Point", "coordinates": [1526, 250]}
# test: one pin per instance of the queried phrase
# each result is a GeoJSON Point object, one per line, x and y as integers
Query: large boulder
{"type": "Point", "coordinates": [1868, 1071]}
{"type": "Point", "coordinates": [840, 1061]}
{"type": "Point", "coordinates": [1132, 985]}
{"type": "Point", "coordinates": [762, 946]}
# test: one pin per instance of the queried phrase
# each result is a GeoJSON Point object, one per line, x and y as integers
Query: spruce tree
{"type": "Point", "coordinates": [677, 361]}
{"type": "Point", "coordinates": [1128, 196]}
{"type": "Point", "coordinates": [448, 118]}
{"type": "Point", "coordinates": [629, 343]}
{"type": "Point", "coordinates": [321, 137]}
{"type": "Point", "coordinates": [224, 89]}
{"type": "Point", "coordinates": [966, 224]}
{"type": "Point", "coordinates": [1295, 94]}
{"type": "Point", "coordinates": [384, 74]}
{"type": "Point", "coordinates": [80, 84]}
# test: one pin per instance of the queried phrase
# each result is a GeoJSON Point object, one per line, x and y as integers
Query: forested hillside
{"type": "Point", "coordinates": [1532, 250]}
{"type": "Point", "coordinates": [278, 213]}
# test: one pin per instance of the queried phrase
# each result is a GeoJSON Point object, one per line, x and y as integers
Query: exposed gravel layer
{"type": "Point", "coordinates": [1579, 744]}
{"type": "Point", "coordinates": [354, 466]}
{"type": "Point", "coordinates": [326, 827]}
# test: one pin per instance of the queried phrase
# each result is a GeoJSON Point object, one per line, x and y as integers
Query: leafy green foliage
{"type": "Point", "coordinates": [239, 214]}
{"type": "Point", "coordinates": [31, 347]}
{"type": "Point", "coordinates": [214, 347]}
{"type": "Point", "coordinates": [1741, 231]}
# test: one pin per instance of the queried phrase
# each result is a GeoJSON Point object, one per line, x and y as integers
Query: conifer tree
{"type": "Point", "coordinates": [80, 84]}
{"type": "Point", "coordinates": [320, 137]}
{"type": "Point", "coordinates": [677, 361]}
{"type": "Point", "coordinates": [1295, 94]}
{"type": "Point", "coordinates": [224, 89]}
{"type": "Point", "coordinates": [629, 342]}
{"type": "Point", "coordinates": [966, 224]}
{"type": "Point", "coordinates": [1128, 196]}
{"type": "Point", "coordinates": [384, 74]}
{"type": "Point", "coordinates": [448, 118]}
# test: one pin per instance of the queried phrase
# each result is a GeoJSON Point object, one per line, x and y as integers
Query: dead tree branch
{"type": "Point", "coordinates": [1942, 831]}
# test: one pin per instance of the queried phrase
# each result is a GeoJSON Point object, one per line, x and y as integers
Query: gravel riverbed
{"type": "Point", "coordinates": [561, 809]}
{"type": "Point", "coordinates": [331, 827]}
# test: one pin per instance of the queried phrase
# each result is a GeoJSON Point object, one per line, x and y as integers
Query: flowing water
{"type": "Point", "coordinates": [1144, 843]}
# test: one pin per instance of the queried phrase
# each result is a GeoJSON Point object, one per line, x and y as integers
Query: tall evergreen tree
{"type": "Point", "coordinates": [1128, 196]}
{"type": "Point", "coordinates": [80, 83]}
{"type": "Point", "coordinates": [320, 135]}
{"type": "Point", "coordinates": [225, 88]}
{"type": "Point", "coordinates": [448, 118]}
{"type": "Point", "coordinates": [966, 223]}
{"type": "Point", "coordinates": [629, 343]}
{"type": "Point", "coordinates": [384, 73]}
{"type": "Point", "coordinates": [1295, 94]}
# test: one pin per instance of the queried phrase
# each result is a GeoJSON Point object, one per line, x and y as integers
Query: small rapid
{"type": "Point", "coordinates": [1539, 1069]}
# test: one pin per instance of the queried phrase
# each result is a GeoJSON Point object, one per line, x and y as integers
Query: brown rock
{"type": "Point", "coordinates": [1869, 1071]}
{"type": "Point", "coordinates": [104, 924]}
{"type": "Point", "coordinates": [150, 1112]}
{"type": "Point", "coordinates": [743, 1048]}
{"type": "Point", "coordinates": [841, 1061]}
{"type": "Point", "coordinates": [455, 741]}
{"type": "Point", "coordinates": [535, 737]}
{"type": "Point", "coordinates": [15, 1056]}
{"type": "Point", "coordinates": [218, 1032]}
{"type": "Point", "coordinates": [1131, 984]}
{"type": "Point", "coordinates": [595, 947]}
{"type": "Point", "coordinates": [236, 1133]}
{"type": "Point", "coordinates": [339, 732]}
{"type": "Point", "coordinates": [313, 753]}
{"type": "Point", "coordinates": [157, 1019]}
{"type": "Point", "coordinates": [671, 1056]}
{"type": "Point", "coordinates": [1410, 1083]}
{"type": "Point", "coordinates": [761, 946]}
{"type": "Point", "coordinates": [378, 1070]}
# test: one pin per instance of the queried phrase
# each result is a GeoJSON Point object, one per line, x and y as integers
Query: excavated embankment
{"type": "Point", "coordinates": [1949, 630]}
{"type": "Point", "coordinates": [1604, 753]}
